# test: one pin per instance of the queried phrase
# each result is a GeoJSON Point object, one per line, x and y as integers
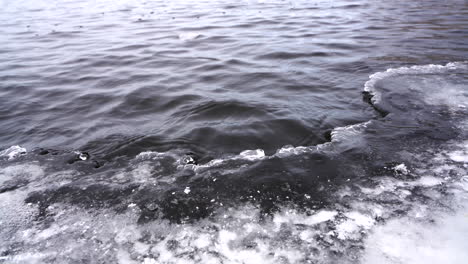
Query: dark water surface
{"type": "Point", "coordinates": [233, 131]}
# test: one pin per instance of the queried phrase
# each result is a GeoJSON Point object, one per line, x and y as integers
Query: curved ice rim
{"type": "Point", "coordinates": [369, 86]}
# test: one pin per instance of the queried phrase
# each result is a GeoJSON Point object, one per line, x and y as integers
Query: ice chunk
{"type": "Point", "coordinates": [429, 181]}
{"type": "Point", "coordinates": [13, 152]}
{"type": "Point", "coordinates": [252, 154]}
{"type": "Point", "coordinates": [459, 156]}
{"type": "Point", "coordinates": [299, 218]}
{"type": "Point", "coordinates": [401, 169]}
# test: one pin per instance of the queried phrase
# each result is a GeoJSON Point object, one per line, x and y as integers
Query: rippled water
{"type": "Point", "coordinates": [233, 131]}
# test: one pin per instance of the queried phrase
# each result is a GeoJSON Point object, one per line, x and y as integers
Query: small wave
{"type": "Point", "coordinates": [216, 110]}
{"type": "Point", "coordinates": [293, 55]}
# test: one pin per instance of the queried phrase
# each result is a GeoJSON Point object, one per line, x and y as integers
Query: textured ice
{"type": "Point", "coordinates": [20, 173]}
{"type": "Point", "coordinates": [143, 172]}
{"type": "Point", "coordinates": [408, 241]}
{"type": "Point", "coordinates": [460, 155]}
{"type": "Point", "coordinates": [353, 225]}
{"type": "Point", "coordinates": [151, 155]}
{"type": "Point", "coordinates": [371, 220]}
{"type": "Point", "coordinates": [429, 181]}
{"type": "Point", "coordinates": [295, 217]}
{"type": "Point", "coordinates": [239, 235]}
{"type": "Point", "coordinates": [290, 150]}
{"type": "Point", "coordinates": [464, 183]}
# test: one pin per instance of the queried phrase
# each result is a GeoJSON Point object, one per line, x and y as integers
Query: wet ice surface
{"type": "Point", "coordinates": [387, 219]}
{"type": "Point", "coordinates": [396, 202]}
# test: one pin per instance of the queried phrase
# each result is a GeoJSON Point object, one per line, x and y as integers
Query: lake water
{"type": "Point", "coordinates": [229, 131]}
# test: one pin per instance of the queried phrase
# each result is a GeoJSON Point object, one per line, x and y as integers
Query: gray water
{"type": "Point", "coordinates": [233, 131]}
